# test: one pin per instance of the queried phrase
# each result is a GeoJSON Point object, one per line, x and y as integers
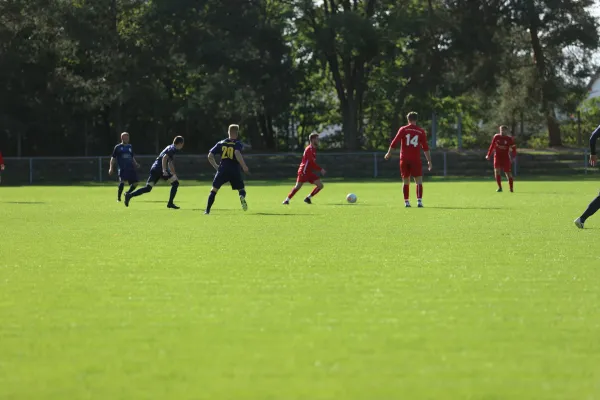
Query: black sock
{"type": "Point", "coordinates": [132, 188]}
{"type": "Point", "coordinates": [121, 186]}
{"type": "Point", "coordinates": [591, 210]}
{"type": "Point", "coordinates": [211, 200]}
{"type": "Point", "coordinates": [243, 193]}
{"type": "Point", "coordinates": [174, 187]}
{"type": "Point", "coordinates": [141, 191]}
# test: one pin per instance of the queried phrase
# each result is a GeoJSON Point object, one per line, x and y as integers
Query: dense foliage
{"type": "Point", "coordinates": [75, 73]}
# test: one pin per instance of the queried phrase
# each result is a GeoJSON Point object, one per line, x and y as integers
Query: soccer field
{"type": "Point", "coordinates": [480, 295]}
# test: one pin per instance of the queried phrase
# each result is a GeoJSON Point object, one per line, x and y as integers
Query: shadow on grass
{"type": "Point", "coordinates": [469, 208]}
{"type": "Point", "coordinates": [24, 202]}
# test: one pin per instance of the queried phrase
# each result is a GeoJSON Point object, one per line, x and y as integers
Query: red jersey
{"type": "Point", "coordinates": [309, 161]}
{"type": "Point", "coordinates": [502, 145]}
{"type": "Point", "coordinates": [1, 159]}
{"type": "Point", "coordinates": [412, 139]}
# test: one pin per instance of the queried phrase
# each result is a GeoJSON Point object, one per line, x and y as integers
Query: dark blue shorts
{"type": "Point", "coordinates": [233, 176]}
{"type": "Point", "coordinates": [156, 175]}
{"type": "Point", "coordinates": [129, 176]}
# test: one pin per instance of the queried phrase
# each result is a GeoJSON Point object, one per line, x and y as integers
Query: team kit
{"type": "Point", "coordinates": [411, 138]}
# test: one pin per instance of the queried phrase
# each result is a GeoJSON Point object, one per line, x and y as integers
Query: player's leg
{"type": "Point", "coordinates": [589, 211]}
{"type": "Point", "coordinates": [132, 180]}
{"type": "Point", "coordinates": [218, 181]}
{"type": "Point", "coordinates": [419, 184]}
{"type": "Point", "coordinates": [152, 180]}
{"type": "Point", "coordinates": [121, 187]}
{"type": "Point", "coordinates": [174, 186]}
{"type": "Point", "coordinates": [237, 183]}
{"type": "Point", "coordinates": [295, 189]}
{"type": "Point", "coordinates": [318, 187]}
{"type": "Point", "coordinates": [497, 174]}
{"type": "Point", "coordinates": [508, 172]}
{"type": "Point", "coordinates": [405, 173]}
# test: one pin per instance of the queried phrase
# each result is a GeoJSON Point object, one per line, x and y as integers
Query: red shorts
{"type": "Point", "coordinates": [308, 177]}
{"type": "Point", "coordinates": [410, 168]}
{"type": "Point", "coordinates": [503, 164]}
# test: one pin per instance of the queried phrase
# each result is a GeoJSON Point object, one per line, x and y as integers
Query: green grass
{"type": "Point", "coordinates": [480, 295]}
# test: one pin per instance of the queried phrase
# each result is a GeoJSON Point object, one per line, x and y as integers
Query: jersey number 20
{"type": "Point", "coordinates": [414, 141]}
{"type": "Point", "coordinates": [227, 152]}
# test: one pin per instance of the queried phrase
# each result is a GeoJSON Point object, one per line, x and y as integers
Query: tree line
{"type": "Point", "coordinates": [76, 73]}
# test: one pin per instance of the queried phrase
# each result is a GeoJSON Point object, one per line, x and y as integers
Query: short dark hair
{"type": "Point", "coordinates": [503, 127]}
{"type": "Point", "coordinates": [178, 140]}
{"type": "Point", "coordinates": [313, 135]}
{"type": "Point", "coordinates": [412, 116]}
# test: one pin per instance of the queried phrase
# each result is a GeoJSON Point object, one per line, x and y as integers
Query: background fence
{"type": "Point", "coordinates": [71, 170]}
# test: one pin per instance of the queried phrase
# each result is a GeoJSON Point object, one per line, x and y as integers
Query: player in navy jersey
{"type": "Point", "coordinates": [123, 157]}
{"type": "Point", "coordinates": [228, 170]}
{"type": "Point", "coordinates": [595, 204]}
{"type": "Point", "coordinates": [163, 168]}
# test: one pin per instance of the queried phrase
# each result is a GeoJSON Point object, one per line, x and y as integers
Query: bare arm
{"type": "Point", "coordinates": [172, 167]}
{"type": "Point", "coordinates": [165, 161]}
{"type": "Point", "coordinates": [137, 165]}
{"type": "Point", "coordinates": [428, 157]}
{"type": "Point", "coordinates": [212, 161]}
{"type": "Point", "coordinates": [111, 166]}
{"type": "Point", "coordinates": [240, 158]}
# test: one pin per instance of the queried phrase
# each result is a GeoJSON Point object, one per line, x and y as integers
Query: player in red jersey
{"type": "Point", "coordinates": [412, 139]}
{"type": "Point", "coordinates": [307, 172]}
{"type": "Point", "coordinates": [1, 166]}
{"type": "Point", "coordinates": [502, 145]}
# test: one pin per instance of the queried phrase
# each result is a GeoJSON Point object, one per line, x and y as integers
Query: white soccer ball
{"type": "Point", "coordinates": [351, 198]}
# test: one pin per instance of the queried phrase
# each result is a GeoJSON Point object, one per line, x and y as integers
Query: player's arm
{"type": "Point", "coordinates": [1, 163]}
{"type": "Point", "coordinates": [113, 161]}
{"type": "Point", "coordinates": [513, 149]}
{"type": "Point", "coordinates": [393, 145]}
{"type": "Point", "coordinates": [240, 158]}
{"type": "Point", "coordinates": [165, 164]}
{"type": "Point", "coordinates": [171, 165]}
{"type": "Point", "coordinates": [425, 147]}
{"type": "Point", "coordinates": [593, 140]}
{"type": "Point", "coordinates": [491, 149]}
{"type": "Point", "coordinates": [212, 161]}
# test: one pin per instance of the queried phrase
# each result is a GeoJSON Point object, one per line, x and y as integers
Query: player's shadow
{"type": "Point", "coordinates": [24, 202]}
{"type": "Point", "coordinates": [283, 214]}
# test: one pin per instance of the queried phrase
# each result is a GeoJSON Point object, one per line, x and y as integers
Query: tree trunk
{"type": "Point", "coordinates": [554, 136]}
{"type": "Point", "coordinates": [553, 130]}
{"type": "Point", "coordinates": [350, 124]}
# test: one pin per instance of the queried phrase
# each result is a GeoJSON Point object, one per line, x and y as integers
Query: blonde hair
{"type": "Point", "coordinates": [313, 135]}
{"type": "Point", "coordinates": [233, 128]}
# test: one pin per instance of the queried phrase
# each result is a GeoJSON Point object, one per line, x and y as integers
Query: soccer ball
{"type": "Point", "coordinates": [351, 198]}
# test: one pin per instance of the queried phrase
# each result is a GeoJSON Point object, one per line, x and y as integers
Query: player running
{"type": "Point", "coordinates": [228, 170]}
{"type": "Point", "coordinates": [122, 155]}
{"type": "Point", "coordinates": [1, 166]}
{"type": "Point", "coordinates": [501, 145]}
{"type": "Point", "coordinates": [412, 139]}
{"type": "Point", "coordinates": [163, 168]}
{"type": "Point", "coordinates": [595, 204]}
{"type": "Point", "coordinates": [307, 172]}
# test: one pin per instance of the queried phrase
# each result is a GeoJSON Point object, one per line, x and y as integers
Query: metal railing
{"type": "Point", "coordinates": [65, 170]}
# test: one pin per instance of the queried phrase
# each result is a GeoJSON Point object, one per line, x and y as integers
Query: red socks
{"type": "Point", "coordinates": [499, 181]}
{"type": "Point", "coordinates": [406, 192]}
{"type": "Point", "coordinates": [510, 183]}
{"type": "Point", "coordinates": [419, 191]}
{"type": "Point", "coordinates": [293, 192]}
{"type": "Point", "coordinates": [315, 191]}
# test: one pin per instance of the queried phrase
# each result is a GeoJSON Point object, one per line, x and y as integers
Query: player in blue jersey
{"type": "Point", "coordinates": [595, 204]}
{"type": "Point", "coordinates": [228, 170]}
{"type": "Point", "coordinates": [163, 168]}
{"type": "Point", "coordinates": [123, 157]}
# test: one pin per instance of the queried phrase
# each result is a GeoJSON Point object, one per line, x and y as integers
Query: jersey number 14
{"type": "Point", "coordinates": [227, 152]}
{"type": "Point", "coordinates": [414, 141]}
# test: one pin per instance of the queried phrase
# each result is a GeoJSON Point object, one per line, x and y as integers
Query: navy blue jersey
{"type": "Point", "coordinates": [168, 152]}
{"type": "Point", "coordinates": [226, 148]}
{"type": "Point", "coordinates": [123, 153]}
{"type": "Point", "coordinates": [593, 140]}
